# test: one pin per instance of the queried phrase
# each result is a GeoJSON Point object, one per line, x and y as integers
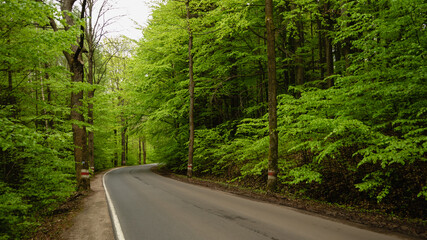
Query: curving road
{"type": "Point", "coordinates": [149, 207]}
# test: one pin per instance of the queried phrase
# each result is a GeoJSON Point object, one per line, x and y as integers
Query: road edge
{"type": "Point", "coordinates": [379, 225]}
{"type": "Point", "coordinates": [118, 233]}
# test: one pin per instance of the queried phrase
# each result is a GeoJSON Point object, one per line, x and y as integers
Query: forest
{"type": "Point", "coordinates": [345, 82]}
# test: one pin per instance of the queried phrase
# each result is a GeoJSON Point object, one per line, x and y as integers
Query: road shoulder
{"type": "Point", "coordinates": [93, 222]}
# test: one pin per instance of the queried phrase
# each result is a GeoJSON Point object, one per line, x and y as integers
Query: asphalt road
{"type": "Point", "coordinates": [149, 206]}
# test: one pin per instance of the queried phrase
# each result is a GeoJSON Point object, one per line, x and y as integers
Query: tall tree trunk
{"type": "Point", "coordinates": [93, 33]}
{"type": "Point", "coordinates": [139, 150]}
{"type": "Point", "coordinates": [321, 44]}
{"type": "Point", "coordinates": [312, 48]}
{"type": "Point", "coordinates": [10, 81]}
{"type": "Point", "coordinates": [124, 146]}
{"type": "Point", "coordinates": [329, 59]}
{"type": "Point", "coordinates": [91, 137]}
{"type": "Point", "coordinates": [191, 91]}
{"type": "Point", "coordinates": [299, 75]}
{"type": "Point", "coordinates": [328, 45]}
{"type": "Point", "coordinates": [116, 154]}
{"type": "Point", "coordinates": [346, 46]}
{"type": "Point", "coordinates": [127, 147]}
{"type": "Point", "coordinates": [36, 99]}
{"type": "Point", "coordinates": [292, 63]}
{"type": "Point", "coordinates": [144, 151]}
{"type": "Point", "coordinates": [49, 122]}
{"type": "Point", "coordinates": [76, 66]}
{"type": "Point", "coordinates": [91, 95]}
{"type": "Point", "coordinates": [11, 99]}
{"type": "Point", "coordinates": [49, 100]}
{"type": "Point", "coordinates": [79, 132]}
{"type": "Point", "coordinates": [272, 98]}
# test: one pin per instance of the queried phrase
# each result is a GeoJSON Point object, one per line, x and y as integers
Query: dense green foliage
{"type": "Point", "coordinates": [352, 115]}
{"type": "Point", "coordinates": [35, 141]}
{"type": "Point", "coordinates": [352, 105]}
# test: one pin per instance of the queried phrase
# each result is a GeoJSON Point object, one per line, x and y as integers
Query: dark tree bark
{"type": "Point", "coordinates": [91, 95]}
{"type": "Point", "coordinates": [272, 98]}
{"type": "Point", "coordinates": [144, 151]}
{"type": "Point", "coordinates": [292, 64]}
{"type": "Point", "coordinates": [76, 66]}
{"type": "Point", "coordinates": [346, 46]}
{"type": "Point", "coordinates": [312, 48]}
{"type": "Point", "coordinates": [329, 58]}
{"type": "Point", "coordinates": [47, 97]}
{"type": "Point", "coordinates": [328, 44]}
{"type": "Point", "coordinates": [11, 97]}
{"type": "Point", "coordinates": [299, 61]}
{"type": "Point", "coordinates": [116, 154]}
{"type": "Point", "coordinates": [79, 132]}
{"type": "Point", "coordinates": [321, 44]}
{"type": "Point", "coordinates": [91, 92]}
{"type": "Point", "coordinates": [124, 146]}
{"type": "Point", "coordinates": [139, 150]}
{"type": "Point", "coordinates": [10, 81]}
{"type": "Point", "coordinates": [142, 154]}
{"type": "Point", "coordinates": [91, 137]}
{"type": "Point", "coordinates": [191, 91]}
{"type": "Point", "coordinates": [127, 147]}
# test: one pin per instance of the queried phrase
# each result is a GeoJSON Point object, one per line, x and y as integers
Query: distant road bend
{"type": "Point", "coordinates": [151, 207]}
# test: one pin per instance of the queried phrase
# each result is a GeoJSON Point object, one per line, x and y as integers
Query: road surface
{"type": "Point", "coordinates": [146, 206]}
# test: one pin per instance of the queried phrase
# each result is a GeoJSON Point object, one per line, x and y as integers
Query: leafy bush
{"type": "Point", "coordinates": [36, 177]}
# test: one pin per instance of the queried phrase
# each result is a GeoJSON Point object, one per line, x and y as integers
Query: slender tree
{"type": "Point", "coordinates": [95, 30]}
{"type": "Point", "coordinates": [142, 155]}
{"type": "Point", "coordinates": [144, 151]}
{"type": "Point", "coordinates": [139, 150]}
{"type": "Point", "coordinates": [299, 44]}
{"type": "Point", "coordinates": [123, 139]}
{"type": "Point", "coordinates": [90, 39]}
{"type": "Point", "coordinates": [191, 90]}
{"type": "Point", "coordinates": [327, 11]}
{"type": "Point", "coordinates": [272, 98]}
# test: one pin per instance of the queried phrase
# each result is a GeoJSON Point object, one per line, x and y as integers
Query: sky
{"type": "Point", "coordinates": [137, 10]}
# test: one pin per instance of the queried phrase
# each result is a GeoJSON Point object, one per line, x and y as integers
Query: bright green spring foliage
{"type": "Point", "coordinates": [36, 161]}
{"type": "Point", "coordinates": [36, 175]}
{"type": "Point", "coordinates": [159, 86]}
{"type": "Point", "coordinates": [352, 110]}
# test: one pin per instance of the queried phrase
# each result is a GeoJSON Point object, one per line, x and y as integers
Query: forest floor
{"type": "Point", "coordinates": [85, 216]}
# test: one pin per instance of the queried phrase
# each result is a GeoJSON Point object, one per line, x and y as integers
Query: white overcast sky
{"type": "Point", "coordinates": [137, 10]}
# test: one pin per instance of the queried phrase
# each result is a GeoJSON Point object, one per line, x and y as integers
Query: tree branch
{"type": "Point", "coordinates": [82, 34]}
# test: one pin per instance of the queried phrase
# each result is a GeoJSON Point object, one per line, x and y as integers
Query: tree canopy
{"type": "Point", "coordinates": [351, 100]}
{"type": "Point", "coordinates": [351, 105]}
